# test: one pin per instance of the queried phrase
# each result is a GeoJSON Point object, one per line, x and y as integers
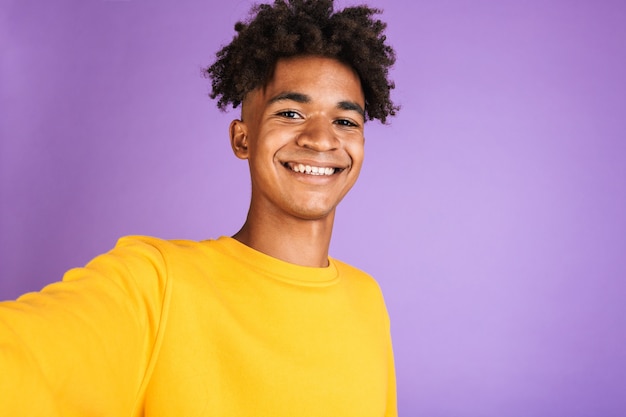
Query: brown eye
{"type": "Point", "coordinates": [345, 122]}
{"type": "Point", "coordinates": [289, 114]}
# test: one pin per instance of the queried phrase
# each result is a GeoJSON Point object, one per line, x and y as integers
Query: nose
{"type": "Point", "coordinates": [319, 135]}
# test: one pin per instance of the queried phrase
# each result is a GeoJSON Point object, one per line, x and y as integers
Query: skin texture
{"type": "Point", "coordinates": [309, 113]}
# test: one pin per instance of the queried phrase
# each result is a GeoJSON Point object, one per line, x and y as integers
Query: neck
{"type": "Point", "coordinates": [297, 241]}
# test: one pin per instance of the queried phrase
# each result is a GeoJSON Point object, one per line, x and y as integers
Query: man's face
{"type": "Point", "coordinates": [302, 135]}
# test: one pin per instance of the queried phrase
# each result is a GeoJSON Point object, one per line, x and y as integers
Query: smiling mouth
{"type": "Point", "coordinates": [310, 169]}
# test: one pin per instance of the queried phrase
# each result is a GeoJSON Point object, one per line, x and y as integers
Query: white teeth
{"type": "Point", "coordinates": [311, 170]}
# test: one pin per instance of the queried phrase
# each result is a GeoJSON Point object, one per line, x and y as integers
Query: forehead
{"type": "Point", "coordinates": [316, 76]}
{"type": "Point", "coordinates": [314, 71]}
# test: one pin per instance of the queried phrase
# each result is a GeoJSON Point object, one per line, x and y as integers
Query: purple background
{"type": "Point", "coordinates": [492, 211]}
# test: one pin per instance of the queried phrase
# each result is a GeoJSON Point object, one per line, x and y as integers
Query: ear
{"type": "Point", "coordinates": [239, 138]}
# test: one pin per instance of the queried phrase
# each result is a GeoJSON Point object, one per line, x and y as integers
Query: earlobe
{"type": "Point", "coordinates": [239, 138]}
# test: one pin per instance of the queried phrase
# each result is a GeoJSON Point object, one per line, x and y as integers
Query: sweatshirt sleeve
{"type": "Point", "coordinates": [392, 406]}
{"type": "Point", "coordinates": [83, 346]}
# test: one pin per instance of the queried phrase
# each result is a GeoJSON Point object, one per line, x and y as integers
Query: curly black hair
{"type": "Point", "coordinates": [305, 27]}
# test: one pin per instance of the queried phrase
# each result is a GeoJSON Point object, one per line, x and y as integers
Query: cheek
{"type": "Point", "coordinates": [357, 153]}
{"type": "Point", "coordinates": [261, 150]}
{"type": "Point", "coordinates": [270, 141]}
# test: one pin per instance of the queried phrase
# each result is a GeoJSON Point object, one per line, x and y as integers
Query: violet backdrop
{"type": "Point", "coordinates": [492, 210]}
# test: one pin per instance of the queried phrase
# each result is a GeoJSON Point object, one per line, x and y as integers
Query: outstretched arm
{"type": "Point", "coordinates": [83, 346]}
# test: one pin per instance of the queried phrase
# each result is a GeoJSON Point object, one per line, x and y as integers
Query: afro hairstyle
{"type": "Point", "coordinates": [291, 28]}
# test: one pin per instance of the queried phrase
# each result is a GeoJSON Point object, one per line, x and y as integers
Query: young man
{"type": "Point", "coordinates": [260, 324]}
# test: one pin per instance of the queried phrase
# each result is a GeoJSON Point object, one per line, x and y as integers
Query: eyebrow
{"type": "Point", "coordinates": [289, 95]}
{"type": "Point", "coordinates": [351, 105]}
{"type": "Point", "coordinates": [303, 98]}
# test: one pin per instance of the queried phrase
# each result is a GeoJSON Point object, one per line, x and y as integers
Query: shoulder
{"type": "Point", "coordinates": [139, 258]}
{"type": "Point", "coordinates": [364, 290]}
{"type": "Point", "coordinates": [175, 259]}
{"type": "Point", "coordinates": [347, 269]}
{"type": "Point", "coordinates": [155, 249]}
{"type": "Point", "coordinates": [149, 243]}
{"type": "Point", "coordinates": [355, 275]}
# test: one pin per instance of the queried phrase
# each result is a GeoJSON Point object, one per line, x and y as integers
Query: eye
{"type": "Point", "coordinates": [289, 114]}
{"type": "Point", "coordinates": [346, 123]}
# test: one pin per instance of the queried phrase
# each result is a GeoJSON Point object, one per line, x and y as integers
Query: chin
{"type": "Point", "coordinates": [314, 213]}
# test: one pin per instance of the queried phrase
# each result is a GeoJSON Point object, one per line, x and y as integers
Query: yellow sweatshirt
{"type": "Point", "coordinates": [211, 328]}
